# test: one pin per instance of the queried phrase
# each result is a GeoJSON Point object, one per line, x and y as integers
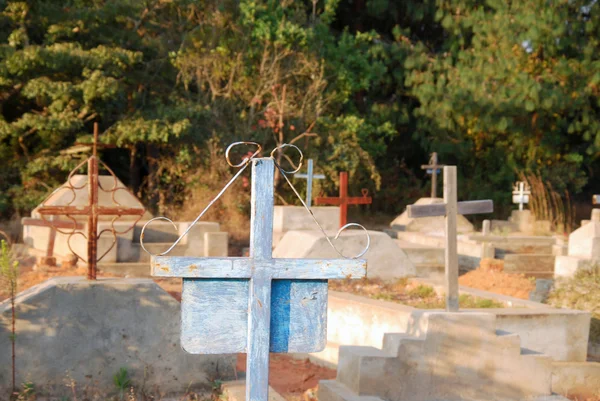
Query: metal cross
{"type": "Point", "coordinates": [521, 194]}
{"type": "Point", "coordinates": [257, 304]}
{"type": "Point", "coordinates": [93, 210]}
{"type": "Point", "coordinates": [450, 208]}
{"type": "Point", "coordinates": [433, 168]}
{"type": "Point", "coordinates": [344, 200]}
{"type": "Point", "coordinates": [309, 181]}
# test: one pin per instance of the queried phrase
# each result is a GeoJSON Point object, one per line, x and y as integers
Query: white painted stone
{"type": "Point", "coordinates": [91, 329]}
{"type": "Point", "coordinates": [429, 224]}
{"type": "Point", "coordinates": [523, 220]}
{"type": "Point", "coordinates": [385, 259]}
{"type": "Point", "coordinates": [585, 241]}
{"type": "Point", "coordinates": [216, 244]}
{"type": "Point", "coordinates": [289, 218]}
{"type": "Point", "coordinates": [567, 266]}
{"type": "Point", "coordinates": [595, 215]}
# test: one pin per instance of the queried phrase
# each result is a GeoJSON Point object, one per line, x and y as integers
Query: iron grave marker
{"type": "Point", "coordinates": [256, 304]}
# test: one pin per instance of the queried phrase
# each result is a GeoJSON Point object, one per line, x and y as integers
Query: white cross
{"type": "Point", "coordinates": [256, 304]}
{"type": "Point", "coordinates": [309, 176]}
{"type": "Point", "coordinates": [520, 194]}
{"type": "Point", "coordinates": [450, 208]}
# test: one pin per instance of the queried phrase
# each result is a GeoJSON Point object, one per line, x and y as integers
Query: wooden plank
{"type": "Point", "coordinates": [475, 207]}
{"type": "Point", "coordinates": [318, 268]}
{"type": "Point", "coordinates": [192, 267]}
{"type": "Point", "coordinates": [439, 209]}
{"type": "Point", "coordinates": [301, 269]}
{"type": "Point", "coordinates": [214, 318]}
{"type": "Point", "coordinates": [436, 209]}
{"type": "Point", "coordinates": [259, 300]}
{"type": "Point", "coordinates": [451, 251]}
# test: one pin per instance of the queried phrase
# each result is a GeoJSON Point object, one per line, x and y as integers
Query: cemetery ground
{"type": "Point", "coordinates": [297, 379]}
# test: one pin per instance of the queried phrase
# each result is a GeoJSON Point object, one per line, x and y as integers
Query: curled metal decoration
{"type": "Point", "coordinates": [243, 165]}
{"type": "Point", "coordinates": [245, 160]}
{"type": "Point", "coordinates": [286, 145]}
{"type": "Point", "coordinates": [71, 187]}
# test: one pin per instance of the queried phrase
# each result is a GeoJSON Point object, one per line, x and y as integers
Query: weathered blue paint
{"type": "Point", "coordinates": [214, 317]}
{"type": "Point", "coordinates": [257, 304]}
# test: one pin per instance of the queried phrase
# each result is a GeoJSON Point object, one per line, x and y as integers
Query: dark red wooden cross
{"type": "Point", "coordinates": [344, 200]}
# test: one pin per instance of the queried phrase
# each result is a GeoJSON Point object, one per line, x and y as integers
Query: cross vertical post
{"type": "Point", "coordinates": [449, 209]}
{"type": "Point", "coordinates": [93, 209]}
{"type": "Point", "coordinates": [521, 194]}
{"type": "Point", "coordinates": [344, 200]}
{"type": "Point", "coordinates": [432, 168]}
{"type": "Point", "coordinates": [309, 181]}
{"type": "Point", "coordinates": [451, 252]}
{"type": "Point", "coordinates": [259, 300]}
{"type": "Point", "coordinates": [256, 304]}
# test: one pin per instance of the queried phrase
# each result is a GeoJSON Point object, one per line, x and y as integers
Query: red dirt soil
{"type": "Point", "coordinates": [490, 276]}
{"type": "Point", "coordinates": [294, 379]}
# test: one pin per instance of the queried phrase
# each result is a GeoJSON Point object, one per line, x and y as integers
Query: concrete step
{"type": "Point", "coordinates": [357, 363]}
{"type": "Point", "coordinates": [421, 254]}
{"type": "Point", "coordinates": [332, 390]}
{"type": "Point", "coordinates": [236, 391]}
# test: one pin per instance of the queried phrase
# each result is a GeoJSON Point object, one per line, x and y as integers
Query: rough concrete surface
{"type": "Point", "coordinates": [384, 258]}
{"type": "Point", "coordinates": [356, 320]}
{"type": "Point", "coordinates": [444, 356]}
{"type": "Point", "coordinates": [88, 330]}
{"type": "Point", "coordinates": [289, 218]}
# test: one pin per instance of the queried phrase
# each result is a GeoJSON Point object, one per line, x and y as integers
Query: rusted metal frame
{"type": "Point", "coordinates": [343, 200]}
{"type": "Point", "coordinates": [53, 229]}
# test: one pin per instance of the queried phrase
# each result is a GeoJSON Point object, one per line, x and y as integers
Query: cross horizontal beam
{"type": "Point", "coordinates": [439, 209]}
{"type": "Point", "coordinates": [28, 221]}
{"type": "Point", "coordinates": [277, 268]}
{"type": "Point", "coordinates": [332, 200]}
{"type": "Point", "coordinates": [87, 210]}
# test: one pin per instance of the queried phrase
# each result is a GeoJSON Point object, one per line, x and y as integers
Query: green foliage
{"type": "Point", "coordinates": [498, 88]}
{"type": "Point", "coordinates": [580, 292]}
{"type": "Point", "coordinates": [9, 270]}
{"type": "Point", "coordinates": [122, 381]}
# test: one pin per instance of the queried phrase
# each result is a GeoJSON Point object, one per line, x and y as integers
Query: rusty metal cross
{"type": "Point", "coordinates": [92, 210]}
{"type": "Point", "coordinates": [344, 200]}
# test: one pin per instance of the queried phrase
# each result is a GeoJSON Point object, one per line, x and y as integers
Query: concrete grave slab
{"type": "Point", "coordinates": [443, 356]}
{"type": "Point", "coordinates": [585, 241]}
{"type": "Point", "coordinates": [91, 329]}
{"type": "Point", "coordinates": [429, 224]}
{"type": "Point", "coordinates": [290, 218]}
{"type": "Point", "coordinates": [385, 259]}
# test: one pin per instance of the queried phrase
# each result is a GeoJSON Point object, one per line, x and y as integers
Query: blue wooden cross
{"type": "Point", "coordinates": [310, 176]}
{"type": "Point", "coordinates": [257, 304]}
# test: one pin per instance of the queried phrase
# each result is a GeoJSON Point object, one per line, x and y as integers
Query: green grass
{"type": "Point", "coordinates": [402, 291]}
{"type": "Point", "coordinates": [581, 292]}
